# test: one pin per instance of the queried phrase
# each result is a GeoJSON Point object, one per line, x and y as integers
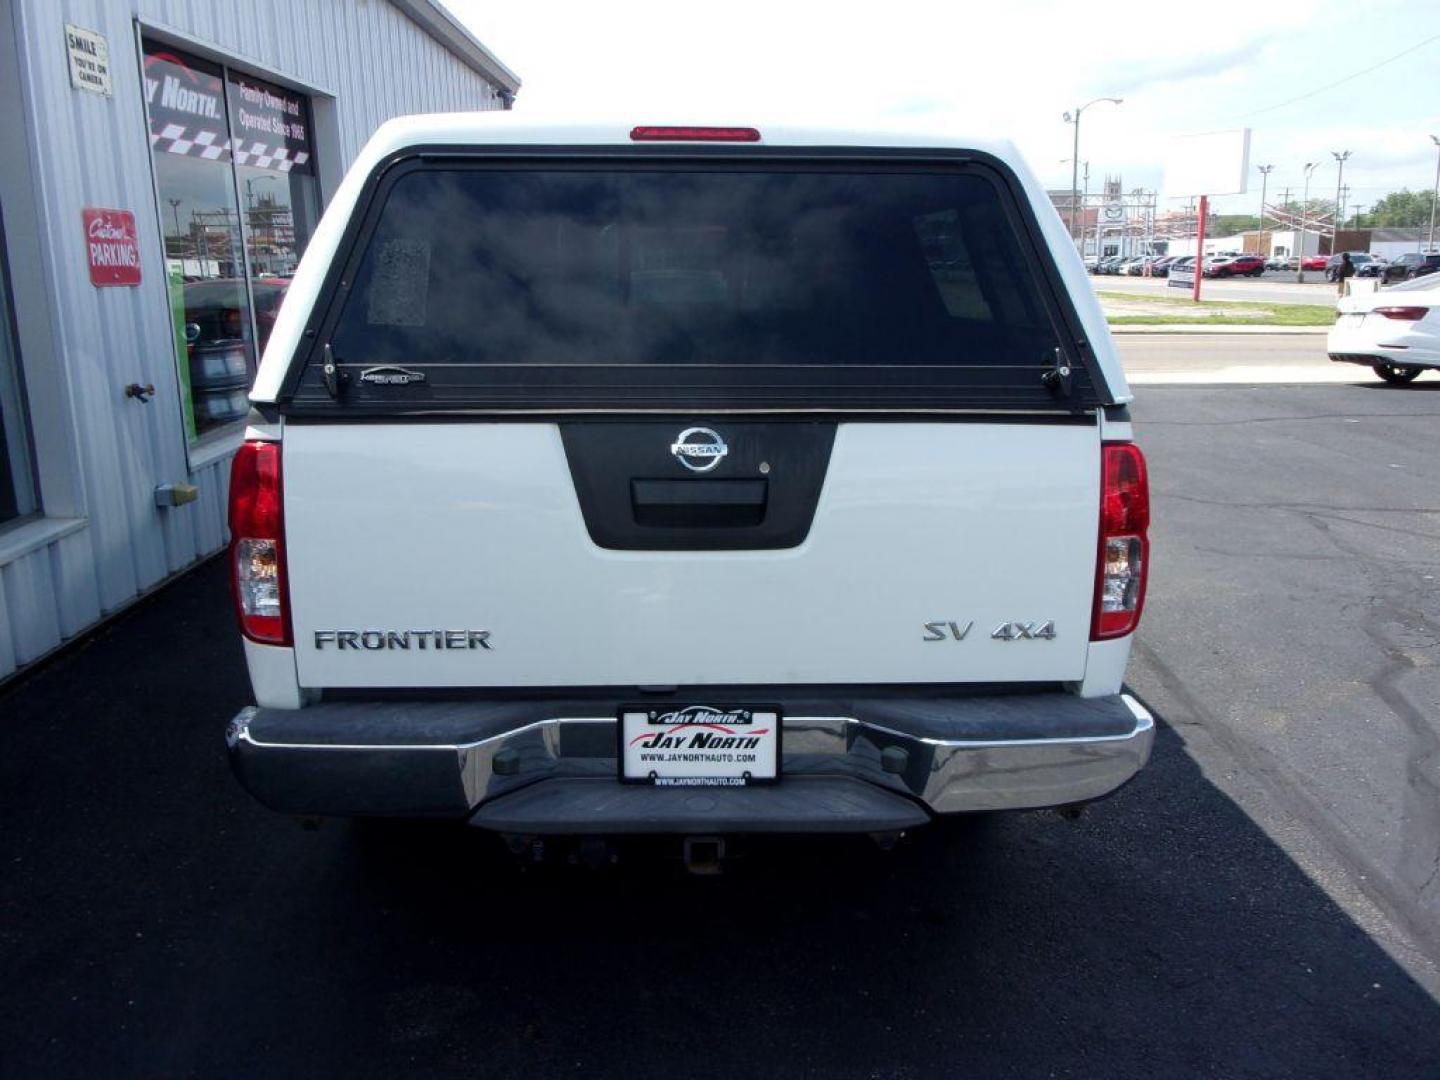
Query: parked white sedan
{"type": "Point", "coordinates": [1395, 330]}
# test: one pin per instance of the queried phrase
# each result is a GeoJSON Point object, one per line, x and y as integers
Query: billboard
{"type": "Point", "coordinates": [1212, 163]}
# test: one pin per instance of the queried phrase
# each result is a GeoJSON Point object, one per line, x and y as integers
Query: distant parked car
{"type": "Point", "coordinates": [1374, 268]}
{"type": "Point", "coordinates": [1315, 262]}
{"type": "Point", "coordinates": [1360, 259]}
{"type": "Point", "coordinates": [1279, 262]}
{"type": "Point", "coordinates": [1412, 264]}
{"type": "Point", "coordinates": [1222, 266]}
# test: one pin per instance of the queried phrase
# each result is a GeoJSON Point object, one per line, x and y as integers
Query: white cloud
{"type": "Point", "coordinates": [1010, 67]}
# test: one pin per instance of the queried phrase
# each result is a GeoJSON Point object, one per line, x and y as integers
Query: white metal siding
{"type": "Point", "coordinates": [88, 150]}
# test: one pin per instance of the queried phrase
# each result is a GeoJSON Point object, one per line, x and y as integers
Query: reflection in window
{"type": "Point", "coordinates": [238, 200]}
{"type": "Point", "coordinates": [206, 274]}
{"type": "Point", "coordinates": [280, 211]}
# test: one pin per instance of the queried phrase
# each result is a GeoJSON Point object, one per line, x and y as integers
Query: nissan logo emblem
{"type": "Point", "coordinates": [699, 449]}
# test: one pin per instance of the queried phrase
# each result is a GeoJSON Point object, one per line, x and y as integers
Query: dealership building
{"type": "Point", "coordinates": [164, 164]}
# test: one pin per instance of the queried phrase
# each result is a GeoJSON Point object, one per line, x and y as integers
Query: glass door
{"type": "Point", "coordinates": [239, 198]}
{"type": "Point", "coordinates": [17, 476]}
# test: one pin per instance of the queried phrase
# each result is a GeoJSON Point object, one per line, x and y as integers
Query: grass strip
{"type": "Point", "coordinates": [1219, 312]}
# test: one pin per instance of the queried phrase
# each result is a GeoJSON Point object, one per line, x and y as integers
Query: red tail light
{"type": "Point", "coordinates": [257, 544]}
{"type": "Point", "coordinates": [1124, 556]}
{"type": "Point", "coordinates": [1408, 314]}
{"type": "Point", "coordinates": [694, 134]}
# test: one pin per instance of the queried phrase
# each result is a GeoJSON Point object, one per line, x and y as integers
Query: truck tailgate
{"type": "Point", "coordinates": [457, 554]}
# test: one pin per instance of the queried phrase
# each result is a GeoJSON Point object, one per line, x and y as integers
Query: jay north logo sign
{"type": "Point", "coordinates": [701, 727]}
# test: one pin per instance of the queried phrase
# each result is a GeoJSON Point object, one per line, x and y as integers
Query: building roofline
{"type": "Point", "coordinates": [432, 17]}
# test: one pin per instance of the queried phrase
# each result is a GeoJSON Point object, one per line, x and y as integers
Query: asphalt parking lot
{"type": "Point", "coordinates": [1264, 900]}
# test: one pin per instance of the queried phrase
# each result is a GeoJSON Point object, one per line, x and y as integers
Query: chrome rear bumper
{"type": "Point", "coordinates": [464, 759]}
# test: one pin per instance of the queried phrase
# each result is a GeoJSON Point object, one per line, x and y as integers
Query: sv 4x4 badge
{"type": "Point", "coordinates": [1010, 631]}
{"type": "Point", "coordinates": [1025, 631]}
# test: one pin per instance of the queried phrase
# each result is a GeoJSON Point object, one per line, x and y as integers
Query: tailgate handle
{"type": "Point", "coordinates": [699, 503]}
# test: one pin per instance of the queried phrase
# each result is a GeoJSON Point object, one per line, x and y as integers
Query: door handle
{"type": "Point", "coordinates": [699, 503]}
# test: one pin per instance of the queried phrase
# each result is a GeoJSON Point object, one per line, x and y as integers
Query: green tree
{"type": "Point", "coordinates": [1403, 207]}
{"type": "Point", "coordinates": [1231, 224]}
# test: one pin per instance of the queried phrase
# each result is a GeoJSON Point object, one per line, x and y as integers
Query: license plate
{"type": "Point", "coordinates": [1354, 318]}
{"type": "Point", "coordinates": [699, 745]}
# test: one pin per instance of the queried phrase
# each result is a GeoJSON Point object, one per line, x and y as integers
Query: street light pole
{"type": "Point", "coordinates": [1084, 204]}
{"type": "Point", "coordinates": [1075, 155]}
{"type": "Point", "coordinates": [1074, 170]}
{"type": "Point", "coordinates": [1339, 177]}
{"type": "Point", "coordinates": [175, 210]}
{"type": "Point", "coordinates": [1430, 244]}
{"type": "Point", "coordinates": [1265, 180]}
{"type": "Point", "coordinates": [1310, 167]}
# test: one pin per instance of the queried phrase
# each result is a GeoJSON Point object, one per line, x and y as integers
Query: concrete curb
{"type": "Point", "coordinates": [1208, 328]}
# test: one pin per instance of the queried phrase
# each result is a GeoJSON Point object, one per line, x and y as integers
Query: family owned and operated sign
{"type": "Point", "coordinates": [225, 116]}
{"type": "Point", "coordinates": [112, 247]}
{"type": "Point", "coordinates": [270, 116]}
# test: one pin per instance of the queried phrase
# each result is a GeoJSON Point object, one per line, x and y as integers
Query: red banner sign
{"type": "Point", "coordinates": [112, 247]}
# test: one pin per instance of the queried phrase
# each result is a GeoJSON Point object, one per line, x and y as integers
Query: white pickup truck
{"type": "Point", "coordinates": [701, 481]}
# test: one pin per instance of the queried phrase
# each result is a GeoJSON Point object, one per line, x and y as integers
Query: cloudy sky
{"type": "Point", "coordinates": [1011, 67]}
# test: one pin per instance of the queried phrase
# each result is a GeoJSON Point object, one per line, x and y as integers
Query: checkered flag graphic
{"type": "Point", "coordinates": [211, 146]}
{"type": "Point", "coordinates": [190, 142]}
{"type": "Point", "coordinates": [264, 156]}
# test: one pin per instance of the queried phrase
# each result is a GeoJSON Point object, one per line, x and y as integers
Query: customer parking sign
{"type": "Point", "coordinates": [112, 247]}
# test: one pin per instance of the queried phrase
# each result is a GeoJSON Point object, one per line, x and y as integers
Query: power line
{"type": "Point", "coordinates": [1341, 82]}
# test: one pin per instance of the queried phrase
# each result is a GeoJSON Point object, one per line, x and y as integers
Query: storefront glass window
{"type": "Point", "coordinates": [235, 175]}
{"type": "Point", "coordinates": [17, 484]}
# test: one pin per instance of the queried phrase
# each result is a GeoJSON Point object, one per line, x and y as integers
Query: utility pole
{"type": "Point", "coordinates": [1134, 205]}
{"type": "Point", "coordinates": [1339, 176]}
{"type": "Point", "coordinates": [1430, 244]}
{"type": "Point", "coordinates": [1344, 202]}
{"type": "Point", "coordinates": [1285, 202]}
{"type": "Point", "coordinates": [1310, 167]}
